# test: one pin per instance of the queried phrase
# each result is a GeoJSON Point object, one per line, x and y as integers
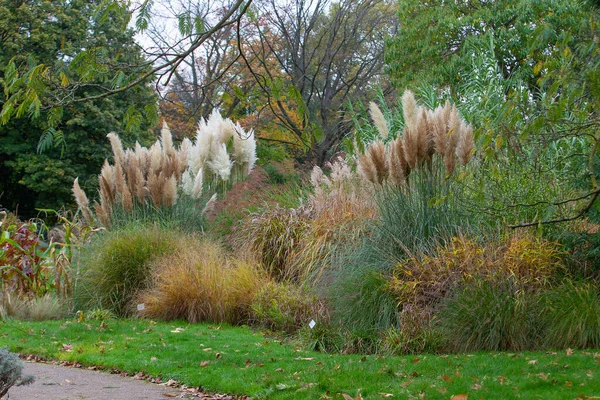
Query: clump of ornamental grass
{"type": "Point", "coordinates": [273, 236]}
{"type": "Point", "coordinates": [419, 202]}
{"type": "Point", "coordinates": [117, 263]}
{"type": "Point", "coordinates": [286, 307]}
{"type": "Point", "coordinates": [571, 316]}
{"type": "Point", "coordinates": [491, 315]}
{"type": "Point", "coordinates": [154, 179]}
{"type": "Point", "coordinates": [297, 243]}
{"type": "Point", "coordinates": [427, 134]}
{"type": "Point", "coordinates": [200, 283]}
{"type": "Point", "coordinates": [340, 210]}
{"type": "Point", "coordinates": [455, 273]}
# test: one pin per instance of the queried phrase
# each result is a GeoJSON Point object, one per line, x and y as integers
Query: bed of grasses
{"type": "Point", "coordinates": [384, 249]}
{"type": "Point", "coordinates": [237, 360]}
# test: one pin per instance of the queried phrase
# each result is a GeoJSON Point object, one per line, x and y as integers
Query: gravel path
{"type": "Point", "coordinates": [55, 382]}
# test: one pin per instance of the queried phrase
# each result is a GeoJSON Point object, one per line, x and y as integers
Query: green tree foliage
{"type": "Point", "coordinates": [46, 140]}
{"type": "Point", "coordinates": [435, 39]}
{"type": "Point", "coordinates": [526, 73]}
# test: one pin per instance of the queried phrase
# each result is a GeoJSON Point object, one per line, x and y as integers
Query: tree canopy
{"type": "Point", "coordinates": [37, 37]}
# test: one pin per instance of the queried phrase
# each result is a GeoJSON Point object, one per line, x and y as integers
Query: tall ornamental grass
{"type": "Point", "coordinates": [148, 183]}
{"type": "Point", "coordinates": [199, 282]}
{"type": "Point", "coordinates": [117, 263]}
{"type": "Point", "coordinates": [418, 203]}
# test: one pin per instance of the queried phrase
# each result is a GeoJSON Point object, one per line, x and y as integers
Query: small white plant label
{"type": "Point", "coordinates": [141, 307]}
{"type": "Point", "coordinates": [312, 323]}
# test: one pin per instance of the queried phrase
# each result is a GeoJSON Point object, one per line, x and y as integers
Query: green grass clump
{"type": "Point", "coordinates": [487, 315]}
{"type": "Point", "coordinates": [572, 316]}
{"type": "Point", "coordinates": [285, 307]}
{"type": "Point", "coordinates": [116, 264]}
{"type": "Point", "coordinates": [238, 361]}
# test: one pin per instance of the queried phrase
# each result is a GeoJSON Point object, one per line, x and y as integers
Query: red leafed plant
{"type": "Point", "coordinates": [25, 260]}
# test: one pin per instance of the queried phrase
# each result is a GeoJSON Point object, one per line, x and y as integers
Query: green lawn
{"type": "Point", "coordinates": [240, 361]}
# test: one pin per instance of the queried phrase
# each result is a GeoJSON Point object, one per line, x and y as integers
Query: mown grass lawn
{"type": "Point", "coordinates": [239, 361]}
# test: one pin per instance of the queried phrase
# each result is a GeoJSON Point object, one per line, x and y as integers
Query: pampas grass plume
{"type": "Point", "coordinates": [466, 145]}
{"type": "Point", "coordinates": [409, 109]}
{"type": "Point", "coordinates": [244, 149]}
{"type": "Point", "coordinates": [117, 147]}
{"type": "Point", "coordinates": [220, 163]}
{"type": "Point", "coordinates": [82, 202]}
{"type": "Point", "coordinates": [379, 120]}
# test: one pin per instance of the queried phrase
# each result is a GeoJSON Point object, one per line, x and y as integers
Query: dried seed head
{"type": "Point", "coordinates": [379, 120]}
{"type": "Point", "coordinates": [378, 157]}
{"type": "Point", "coordinates": [82, 202]}
{"type": "Point", "coordinates": [411, 146]}
{"type": "Point", "coordinates": [422, 135]}
{"type": "Point", "coordinates": [366, 168]}
{"type": "Point", "coordinates": [170, 191]}
{"type": "Point", "coordinates": [117, 147]}
{"type": "Point", "coordinates": [466, 145]}
{"type": "Point", "coordinates": [409, 109]}
{"type": "Point", "coordinates": [397, 163]}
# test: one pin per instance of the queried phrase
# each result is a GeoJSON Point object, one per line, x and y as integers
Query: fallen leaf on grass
{"type": "Point", "coordinates": [204, 363]}
{"type": "Point", "coordinates": [385, 395]}
{"type": "Point", "coordinates": [533, 362]}
{"type": "Point", "coordinates": [304, 358]}
{"type": "Point", "coordinates": [567, 383]}
{"type": "Point", "coordinates": [207, 349]}
{"type": "Point", "coordinates": [459, 397]}
{"type": "Point", "coordinates": [569, 352]}
{"type": "Point", "coordinates": [67, 347]}
{"type": "Point", "coordinates": [347, 397]}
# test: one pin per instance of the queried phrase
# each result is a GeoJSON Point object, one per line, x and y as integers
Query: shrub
{"type": "Point", "coordinates": [571, 316]}
{"type": "Point", "coordinates": [286, 307]}
{"type": "Point", "coordinates": [490, 316]}
{"type": "Point", "coordinates": [117, 263]}
{"type": "Point", "coordinates": [11, 372]}
{"type": "Point", "coordinates": [200, 283]}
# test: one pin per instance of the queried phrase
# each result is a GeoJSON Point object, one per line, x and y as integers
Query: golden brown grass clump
{"type": "Point", "coordinates": [421, 281]}
{"type": "Point", "coordinates": [201, 283]}
{"type": "Point", "coordinates": [295, 244]}
{"type": "Point", "coordinates": [426, 133]}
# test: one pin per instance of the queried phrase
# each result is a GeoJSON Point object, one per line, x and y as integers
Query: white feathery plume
{"type": "Point", "coordinates": [187, 182]}
{"type": "Point", "coordinates": [197, 188]}
{"type": "Point", "coordinates": [244, 148]}
{"type": "Point", "coordinates": [409, 109]}
{"type": "Point", "coordinates": [166, 139]}
{"type": "Point", "coordinates": [219, 162]}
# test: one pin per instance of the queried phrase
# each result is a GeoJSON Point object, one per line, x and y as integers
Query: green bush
{"type": "Point", "coordinates": [285, 307]}
{"type": "Point", "coordinates": [571, 316]}
{"type": "Point", "coordinates": [486, 315]}
{"type": "Point", "coordinates": [362, 301]}
{"type": "Point", "coordinates": [116, 264]}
